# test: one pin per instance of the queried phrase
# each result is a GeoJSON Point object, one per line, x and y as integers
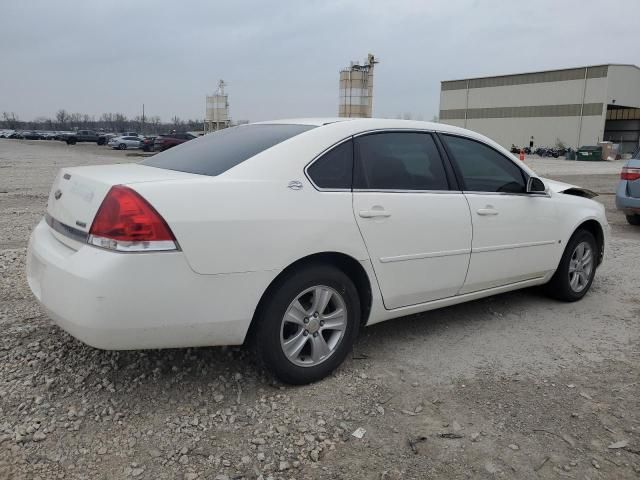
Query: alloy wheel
{"type": "Point", "coordinates": [580, 267]}
{"type": "Point", "coordinates": [313, 326]}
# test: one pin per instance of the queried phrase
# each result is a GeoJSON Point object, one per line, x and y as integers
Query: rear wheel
{"type": "Point", "coordinates": [308, 325]}
{"type": "Point", "coordinates": [633, 219]}
{"type": "Point", "coordinates": [577, 268]}
{"type": "Point", "coordinates": [71, 141]}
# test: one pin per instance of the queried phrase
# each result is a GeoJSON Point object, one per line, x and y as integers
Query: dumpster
{"type": "Point", "coordinates": [590, 153]}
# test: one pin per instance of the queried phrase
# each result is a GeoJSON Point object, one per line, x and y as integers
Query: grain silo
{"type": "Point", "coordinates": [217, 114]}
{"type": "Point", "coordinates": [356, 89]}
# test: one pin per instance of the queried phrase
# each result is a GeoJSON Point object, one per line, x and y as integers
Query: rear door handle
{"type": "Point", "coordinates": [374, 213]}
{"type": "Point", "coordinates": [487, 211]}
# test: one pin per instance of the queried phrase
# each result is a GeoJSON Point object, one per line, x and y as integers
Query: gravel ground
{"type": "Point", "coordinates": [514, 386]}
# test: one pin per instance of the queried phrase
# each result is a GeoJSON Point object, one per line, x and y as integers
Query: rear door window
{"type": "Point", "coordinates": [398, 161]}
{"type": "Point", "coordinates": [217, 152]}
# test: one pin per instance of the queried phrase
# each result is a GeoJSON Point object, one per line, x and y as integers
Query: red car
{"type": "Point", "coordinates": [164, 142]}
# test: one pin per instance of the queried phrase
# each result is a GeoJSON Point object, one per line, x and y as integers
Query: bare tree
{"type": "Point", "coordinates": [120, 121]}
{"type": "Point", "coordinates": [62, 117]}
{"type": "Point", "coordinates": [11, 120]}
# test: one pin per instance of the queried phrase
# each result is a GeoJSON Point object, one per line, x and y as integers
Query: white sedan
{"type": "Point", "coordinates": [292, 235]}
{"type": "Point", "coordinates": [125, 142]}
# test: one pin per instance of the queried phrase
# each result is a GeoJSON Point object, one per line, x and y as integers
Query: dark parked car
{"type": "Point", "coordinates": [147, 144]}
{"type": "Point", "coordinates": [164, 142]}
{"type": "Point", "coordinates": [31, 135]}
{"type": "Point", "coordinates": [80, 136]}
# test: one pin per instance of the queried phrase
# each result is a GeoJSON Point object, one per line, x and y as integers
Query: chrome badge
{"type": "Point", "coordinates": [295, 185]}
{"type": "Point", "coordinates": [57, 194]}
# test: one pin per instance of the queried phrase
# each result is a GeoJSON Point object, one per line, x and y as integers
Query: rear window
{"type": "Point", "coordinates": [217, 152]}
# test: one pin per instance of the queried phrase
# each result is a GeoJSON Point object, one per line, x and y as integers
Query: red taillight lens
{"type": "Point", "coordinates": [630, 173]}
{"type": "Point", "coordinates": [127, 222]}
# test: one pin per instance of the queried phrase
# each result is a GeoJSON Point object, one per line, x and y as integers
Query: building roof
{"type": "Point", "coordinates": [543, 71]}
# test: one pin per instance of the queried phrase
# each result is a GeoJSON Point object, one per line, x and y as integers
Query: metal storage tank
{"type": "Point", "coordinates": [217, 112]}
{"type": "Point", "coordinates": [356, 89]}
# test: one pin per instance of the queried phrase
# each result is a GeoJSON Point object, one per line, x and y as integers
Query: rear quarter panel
{"type": "Point", "coordinates": [229, 225]}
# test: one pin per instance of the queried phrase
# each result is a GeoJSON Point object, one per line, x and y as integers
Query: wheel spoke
{"type": "Point", "coordinates": [580, 251]}
{"type": "Point", "coordinates": [321, 297]}
{"type": "Point", "coordinates": [574, 279]}
{"type": "Point", "coordinates": [296, 314]}
{"type": "Point", "coordinates": [294, 345]}
{"type": "Point", "coordinates": [319, 348]}
{"type": "Point", "coordinates": [334, 321]}
{"type": "Point", "coordinates": [586, 260]}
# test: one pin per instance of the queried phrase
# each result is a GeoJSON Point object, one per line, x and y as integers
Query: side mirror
{"type": "Point", "coordinates": [535, 185]}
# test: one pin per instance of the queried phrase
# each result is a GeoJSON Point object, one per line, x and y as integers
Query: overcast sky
{"type": "Point", "coordinates": [282, 58]}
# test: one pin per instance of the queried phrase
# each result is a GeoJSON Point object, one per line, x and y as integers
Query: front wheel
{"type": "Point", "coordinates": [307, 326]}
{"type": "Point", "coordinates": [122, 146]}
{"type": "Point", "coordinates": [633, 219]}
{"type": "Point", "coordinates": [577, 268]}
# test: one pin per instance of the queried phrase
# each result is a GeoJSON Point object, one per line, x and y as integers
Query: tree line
{"type": "Point", "coordinates": [109, 122]}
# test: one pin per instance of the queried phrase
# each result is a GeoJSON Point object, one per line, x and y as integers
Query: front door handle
{"type": "Point", "coordinates": [374, 213]}
{"type": "Point", "coordinates": [487, 211]}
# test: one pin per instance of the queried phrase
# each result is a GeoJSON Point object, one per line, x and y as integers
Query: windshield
{"type": "Point", "coordinates": [217, 152]}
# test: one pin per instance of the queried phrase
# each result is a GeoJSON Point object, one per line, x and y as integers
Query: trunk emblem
{"type": "Point", "coordinates": [57, 194]}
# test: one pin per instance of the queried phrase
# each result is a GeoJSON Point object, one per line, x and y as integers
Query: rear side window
{"type": "Point", "coordinates": [483, 169]}
{"type": "Point", "coordinates": [398, 161]}
{"type": "Point", "coordinates": [334, 169]}
{"type": "Point", "coordinates": [217, 152]}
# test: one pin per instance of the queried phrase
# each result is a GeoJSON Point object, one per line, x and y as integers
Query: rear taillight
{"type": "Point", "coordinates": [630, 173]}
{"type": "Point", "coordinates": [128, 223]}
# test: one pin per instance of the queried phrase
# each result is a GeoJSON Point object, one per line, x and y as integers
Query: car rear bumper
{"type": "Point", "coordinates": [121, 301]}
{"type": "Point", "coordinates": [624, 201]}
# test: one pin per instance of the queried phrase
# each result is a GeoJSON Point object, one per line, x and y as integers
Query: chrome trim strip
{"type": "Point", "coordinates": [66, 230]}
{"type": "Point", "coordinates": [382, 190]}
{"type": "Point", "coordinates": [419, 256]}
{"type": "Point", "coordinates": [541, 194]}
{"type": "Point", "coordinates": [512, 246]}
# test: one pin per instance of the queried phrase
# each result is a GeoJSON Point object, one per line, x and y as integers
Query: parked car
{"type": "Point", "coordinates": [103, 138]}
{"type": "Point", "coordinates": [7, 133]}
{"type": "Point", "coordinates": [123, 143]}
{"type": "Point", "coordinates": [292, 236]}
{"type": "Point", "coordinates": [80, 136]}
{"type": "Point", "coordinates": [164, 142]}
{"type": "Point", "coordinates": [31, 135]}
{"type": "Point", "coordinates": [147, 144]}
{"type": "Point", "coordinates": [628, 191]}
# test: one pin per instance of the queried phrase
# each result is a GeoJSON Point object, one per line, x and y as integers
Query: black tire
{"type": "Point", "coordinates": [633, 219]}
{"type": "Point", "coordinates": [101, 141]}
{"type": "Point", "coordinates": [71, 141]}
{"type": "Point", "coordinates": [122, 146]}
{"type": "Point", "coordinates": [559, 286]}
{"type": "Point", "coordinates": [268, 323]}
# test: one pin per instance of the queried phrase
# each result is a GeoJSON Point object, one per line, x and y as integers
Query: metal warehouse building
{"type": "Point", "coordinates": [575, 106]}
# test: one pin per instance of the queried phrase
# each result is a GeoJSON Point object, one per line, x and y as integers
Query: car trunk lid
{"type": "Point", "coordinates": [78, 192]}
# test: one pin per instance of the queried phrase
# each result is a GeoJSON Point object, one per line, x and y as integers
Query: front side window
{"type": "Point", "coordinates": [334, 169]}
{"type": "Point", "coordinates": [483, 169]}
{"type": "Point", "coordinates": [398, 161]}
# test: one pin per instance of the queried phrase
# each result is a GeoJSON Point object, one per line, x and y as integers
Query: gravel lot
{"type": "Point", "coordinates": [514, 386]}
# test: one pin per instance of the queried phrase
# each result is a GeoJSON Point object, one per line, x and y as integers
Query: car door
{"type": "Point", "coordinates": [416, 228]}
{"type": "Point", "coordinates": [515, 234]}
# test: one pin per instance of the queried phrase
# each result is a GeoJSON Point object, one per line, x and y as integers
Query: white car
{"type": "Point", "coordinates": [295, 234]}
{"type": "Point", "coordinates": [123, 143]}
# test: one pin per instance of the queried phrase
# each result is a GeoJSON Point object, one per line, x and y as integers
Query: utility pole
{"type": "Point", "coordinates": [142, 127]}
